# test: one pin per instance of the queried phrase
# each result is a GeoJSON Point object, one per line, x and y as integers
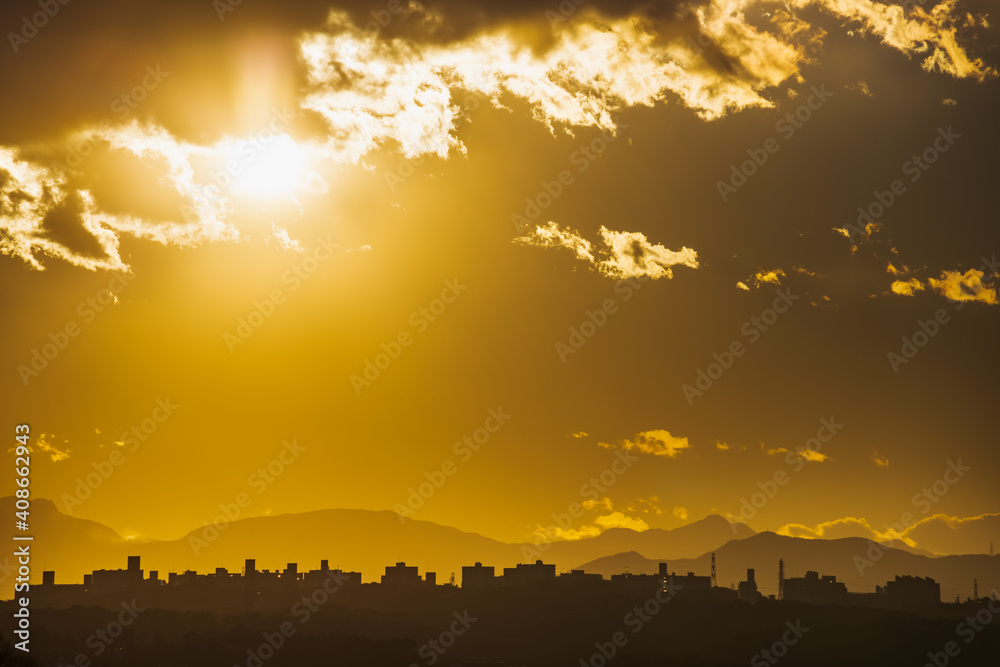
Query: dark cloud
{"type": "Point", "coordinates": [71, 71]}
{"type": "Point", "coordinates": [64, 224]}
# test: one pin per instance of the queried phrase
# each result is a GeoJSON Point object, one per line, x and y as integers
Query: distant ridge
{"type": "Point", "coordinates": [368, 540]}
{"type": "Point", "coordinates": [841, 557]}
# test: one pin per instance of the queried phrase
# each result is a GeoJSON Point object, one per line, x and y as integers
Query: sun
{"type": "Point", "coordinates": [265, 166]}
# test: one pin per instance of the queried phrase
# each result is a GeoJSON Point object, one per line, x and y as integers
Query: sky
{"type": "Point", "coordinates": [476, 262]}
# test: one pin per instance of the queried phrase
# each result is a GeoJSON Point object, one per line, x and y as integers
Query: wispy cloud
{"type": "Point", "coordinates": [966, 286]}
{"type": "Point", "coordinates": [880, 460]}
{"type": "Point", "coordinates": [44, 445]}
{"type": "Point", "coordinates": [906, 287]}
{"type": "Point", "coordinates": [657, 443]}
{"type": "Point", "coordinates": [619, 255]}
{"type": "Point", "coordinates": [373, 91]}
{"type": "Point", "coordinates": [595, 526]}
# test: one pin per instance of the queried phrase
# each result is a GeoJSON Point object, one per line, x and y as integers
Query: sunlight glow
{"type": "Point", "coordinates": [265, 166]}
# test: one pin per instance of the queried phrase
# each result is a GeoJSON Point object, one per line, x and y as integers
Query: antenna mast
{"type": "Point", "coordinates": [781, 578]}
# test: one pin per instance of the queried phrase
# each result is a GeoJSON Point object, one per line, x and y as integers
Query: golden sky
{"type": "Point", "coordinates": [504, 245]}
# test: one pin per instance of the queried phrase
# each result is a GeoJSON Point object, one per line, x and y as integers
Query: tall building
{"type": "Point", "coordinates": [690, 583]}
{"type": "Point", "coordinates": [401, 575]}
{"type": "Point", "coordinates": [115, 580]}
{"type": "Point", "coordinates": [478, 576]}
{"type": "Point", "coordinates": [748, 588]}
{"type": "Point", "coordinates": [815, 589]}
{"type": "Point", "coordinates": [319, 577]}
{"type": "Point", "coordinates": [529, 573]}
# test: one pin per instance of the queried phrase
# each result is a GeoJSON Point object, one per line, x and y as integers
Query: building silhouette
{"type": "Point", "coordinates": [906, 591]}
{"type": "Point", "coordinates": [255, 589]}
{"type": "Point", "coordinates": [579, 577]}
{"type": "Point", "coordinates": [748, 589]}
{"type": "Point", "coordinates": [401, 574]}
{"type": "Point", "coordinates": [478, 576]}
{"type": "Point", "coordinates": [815, 589]}
{"type": "Point", "coordinates": [525, 574]}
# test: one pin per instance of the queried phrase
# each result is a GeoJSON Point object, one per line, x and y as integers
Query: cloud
{"type": "Point", "coordinates": [741, 285]}
{"type": "Point", "coordinates": [620, 255]}
{"type": "Point", "coordinates": [39, 215]}
{"type": "Point", "coordinates": [648, 505]}
{"type": "Point", "coordinates": [725, 447]}
{"type": "Point", "coordinates": [801, 270]}
{"type": "Point", "coordinates": [579, 434]}
{"type": "Point", "coordinates": [681, 513]}
{"type": "Point", "coordinates": [807, 454]}
{"type": "Point", "coordinates": [398, 87]}
{"type": "Point", "coordinates": [940, 534]}
{"type": "Point", "coordinates": [600, 523]}
{"type": "Point", "coordinates": [658, 443]}
{"type": "Point", "coordinates": [861, 87]}
{"type": "Point", "coordinates": [772, 277]}
{"type": "Point", "coordinates": [372, 90]}
{"type": "Point", "coordinates": [913, 32]}
{"type": "Point", "coordinates": [966, 286]}
{"type": "Point", "coordinates": [837, 529]}
{"type": "Point", "coordinates": [47, 212]}
{"type": "Point", "coordinates": [42, 444]}
{"type": "Point", "coordinates": [880, 461]}
{"type": "Point", "coordinates": [944, 534]}
{"type": "Point", "coordinates": [620, 520]}
{"type": "Point", "coordinates": [632, 256]}
{"type": "Point", "coordinates": [906, 287]}
{"type": "Point", "coordinates": [281, 235]}
{"type": "Point", "coordinates": [859, 236]}
{"type": "Point", "coordinates": [891, 269]}
{"type": "Point", "coordinates": [603, 503]}
{"type": "Point", "coordinates": [552, 235]}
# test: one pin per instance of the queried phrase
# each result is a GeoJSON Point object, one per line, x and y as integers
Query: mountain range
{"type": "Point", "coordinates": [366, 541]}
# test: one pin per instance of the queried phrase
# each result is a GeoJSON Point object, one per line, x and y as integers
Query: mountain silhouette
{"type": "Point", "coordinates": [842, 558]}
{"type": "Point", "coordinates": [354, 540]}
{"type": "Point", "coordinates": [367, 541]}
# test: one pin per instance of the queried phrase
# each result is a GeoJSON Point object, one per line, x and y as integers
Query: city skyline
{"type": "Point", "coordinates": [905, 591]}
